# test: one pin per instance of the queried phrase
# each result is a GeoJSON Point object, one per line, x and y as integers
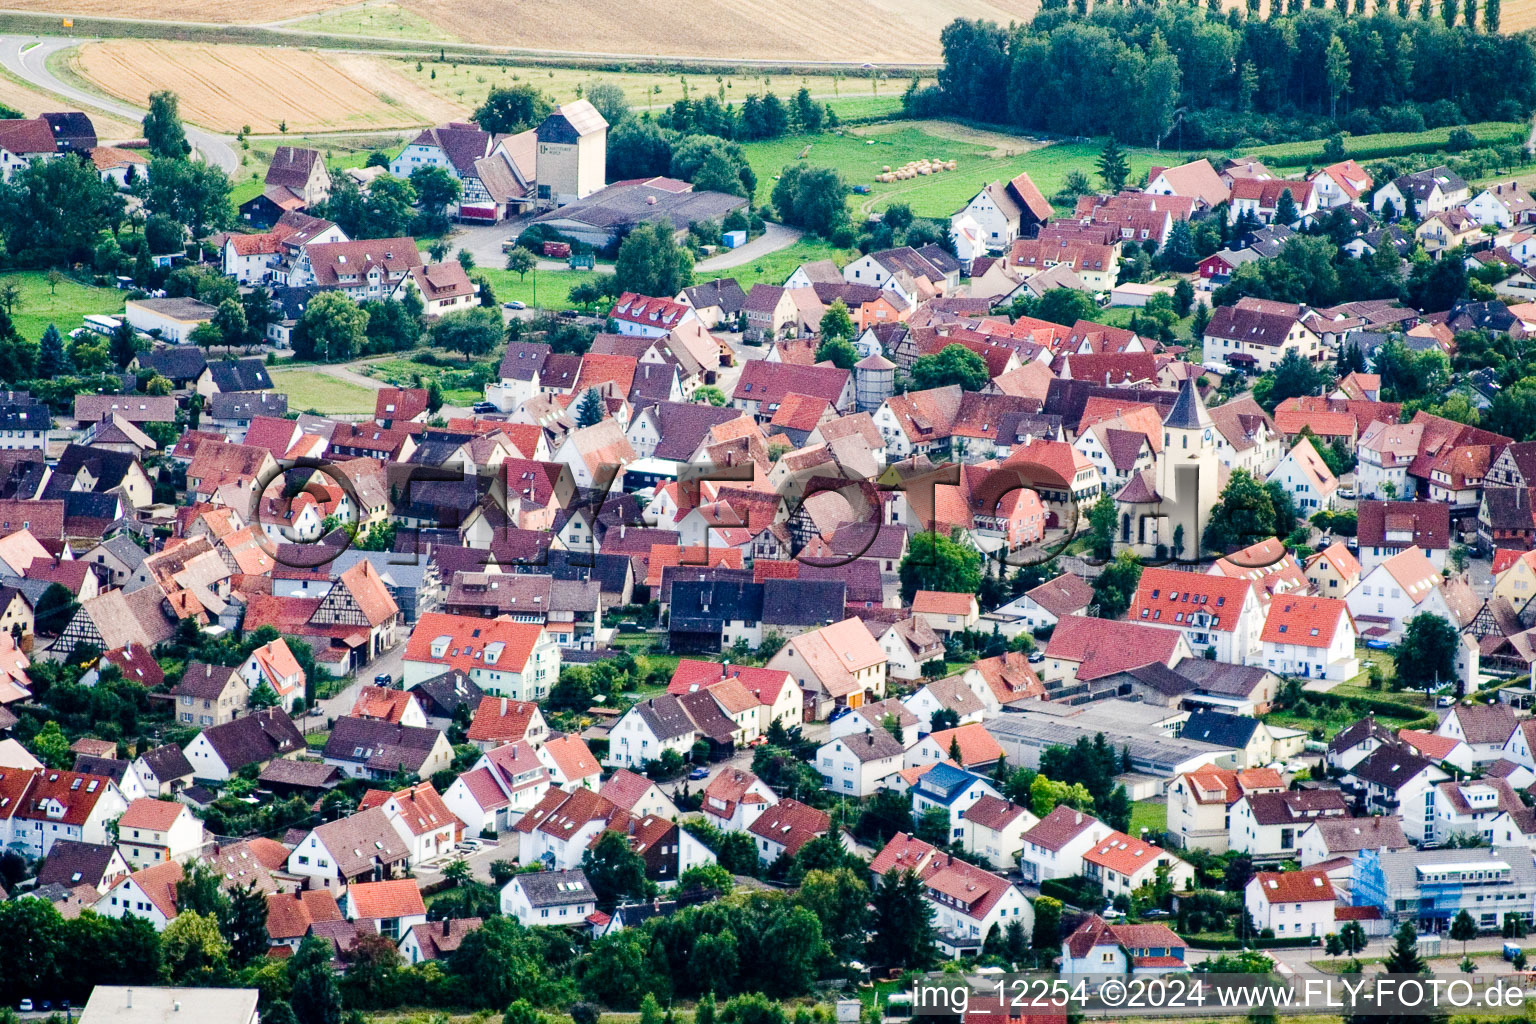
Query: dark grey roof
{"type": "Point", "coordinates": [240, 375]}
{"type": "Point", "coordinates": [1162, 679]}
{"type": "Point", "coordinates": [722, 291]}
{"type": "Point", "coordinates": [868, 540]}
{"type": "Point", "coordinates": [624, 205]}
{"type": "Point", "coordinates": [1358, 732]}
{"type": "Point", "coordinates": [801, 602]}
{"type": "Point", "coordinates": [301, 774]}
{"type": "Point", "coordinates": [73, 131]}
{"type": "Point", "coordinates": [610, 570]}
{"type": "Point", "coordinates": [243, 405]}
{"type": "Point", "coordinates": [1219, 728]}
{"type": "Point", "coordinates": [380, 745]}
{"type": "Point", "coordinates": [113, 768]}
{"type": "Point", "coordinates": [443, 695]}
{"type": "Point", "coordinates": [24, 416]}
{"type": "Point", "coordinates": [523, 360]}
{"type": "Point", "coordinates": [1420, 184]}
{"type": "Point", "coordinates": [1389, 766]}
{"type": "Point", "coordinates": [1297, 805]}
{"type": "Point", "coordinates": [682, 426]}
{"type": "Point", "coordinates": [874, 745]}
{"type": "Point", "coordinates": [1187, 409]}
{"type": "Point", "coordinates": [106, 466]}
{"type": "Point", "coordinates": [70, 863]}
{"type": "Point", "coordinates": [130, 554]}
{"type": "Point", "coordinates": [254, 738]}
{"type": "Point", "coordinates": [82, 505]}
{"type": "Point", "coordinates": [290, 301]}
{"type": "Point", "coordinates": [434, 452]}
{"type": "Point", "coordinates": [167, 762]}
{"type": "Point", "coordinates": [556, 888]}
{"type": "Point", "coordinates": [861, 576]}
{"type": "Point", "coordinates": [1217, 677]}
{"type": "Point", "coordinates": [705, 606]}
{"type": "Point", "coordinates": [204, 681]}
{"type": "Point", "coordinates": [178, 364]}
{"type": "Point", "coordinates": [707, 716]}
{"type": "Point", "coordinates": [665, 716]}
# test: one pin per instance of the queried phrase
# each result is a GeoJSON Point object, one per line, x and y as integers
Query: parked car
{"type": "Point", "coordinates": [699, 773]}
{"type": "Point", "coordinates": [1347, 493]}
{"type": "Point", "coordinates": [1445, 702]}
{"type": "Point", "coordinates": [25, 1006]}
{"type": "Point", "coordinates": [384, 679]}
{"type": "Point", "coordinates": [1036, 657]}
{"type": "Point", "coordinates": [514, 304]}
{"type": "Point", "coordinates": [484, 407]}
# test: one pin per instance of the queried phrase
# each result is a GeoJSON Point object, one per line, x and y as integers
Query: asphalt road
{"type": "Point", "coordinates": [27, 57]}
{"type": "Point", "coordinates": [340, 705]}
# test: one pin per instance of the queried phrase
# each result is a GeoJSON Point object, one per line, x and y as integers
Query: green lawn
{"type": "Point", "coordinates": [859, 154]}
{"type": "Point", "coordinates": [544, 289]}
{"type": "Point", "coordinates": [66, 306]}
{"type": "Point", "coordinates": [456, 379]}
{"type": "Point", "coordinates": [1151, 815]}
{"type": "Point", "coordinates": [310, 389]}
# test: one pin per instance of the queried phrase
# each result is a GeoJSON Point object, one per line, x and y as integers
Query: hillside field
{"type": "Point", "coordinates": [981, 156]}
{"type": "Point", "coordinates": [844, 31]}
{"type": "Point", "coordinates": [271, 89]}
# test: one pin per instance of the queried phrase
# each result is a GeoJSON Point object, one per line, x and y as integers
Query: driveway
{"type": "Point", "coordinates": [773, 238]}
{"type": "Point", "coordinates": [392, 661]}
{"type": "Point", "coordinates": [27, 59]}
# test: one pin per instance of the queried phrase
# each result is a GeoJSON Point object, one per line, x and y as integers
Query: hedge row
{"type": "Point", "coordinates": [1078, 895]}
{"type": "Point", "coordinates": [1389, 144]}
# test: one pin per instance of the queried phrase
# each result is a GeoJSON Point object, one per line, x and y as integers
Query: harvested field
{"type": "Point", "coordinates": [832, 30]}
{"type": "Point", "coordinates": [222, 12]}
{"type": "Point", "coordinates": [268, 88]}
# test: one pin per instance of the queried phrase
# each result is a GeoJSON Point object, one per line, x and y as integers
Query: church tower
{"type": "Point", "coordinates": [1188, 469]}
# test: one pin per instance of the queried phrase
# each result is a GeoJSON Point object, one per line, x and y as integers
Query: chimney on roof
{"type": "Point", "coordinates": [503, 707]}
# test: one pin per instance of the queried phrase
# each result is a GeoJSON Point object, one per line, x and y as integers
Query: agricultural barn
{"type": "Point", "coordinates": [602, 218]}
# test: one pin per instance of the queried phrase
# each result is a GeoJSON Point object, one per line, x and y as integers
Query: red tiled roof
{"type": "Point", "coordinates": [790, 824]}
{"type": "Point", "coordinates": [1307, 621]}
{"type": "Point", "coordinates": [149, 813]}
{"type": "Point", "coordinates": [1308, 885]}
{"type": "Point", "coordinates": [1103, 647]}
{"type": "Point", "coordinates": [498, 719]}
{"type": "Point", "coordinates": [977, 746]}
{"type": "Point", "coordinates": [374, 901]}
{"type": "Point", "coordinates": [1120, 852]}
{"type": "Point", "coordinates": [1172, 598]}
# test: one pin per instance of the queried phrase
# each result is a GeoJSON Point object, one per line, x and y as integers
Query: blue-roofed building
{"type": "Point", "coordinates": [951, 789]}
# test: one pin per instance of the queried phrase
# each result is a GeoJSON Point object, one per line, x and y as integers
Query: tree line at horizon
{"type": "Point", "coordinates": [1142, 72]}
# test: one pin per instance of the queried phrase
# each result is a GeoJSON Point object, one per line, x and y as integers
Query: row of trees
{"type": "Point", "coordinates": [1126, 70]}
